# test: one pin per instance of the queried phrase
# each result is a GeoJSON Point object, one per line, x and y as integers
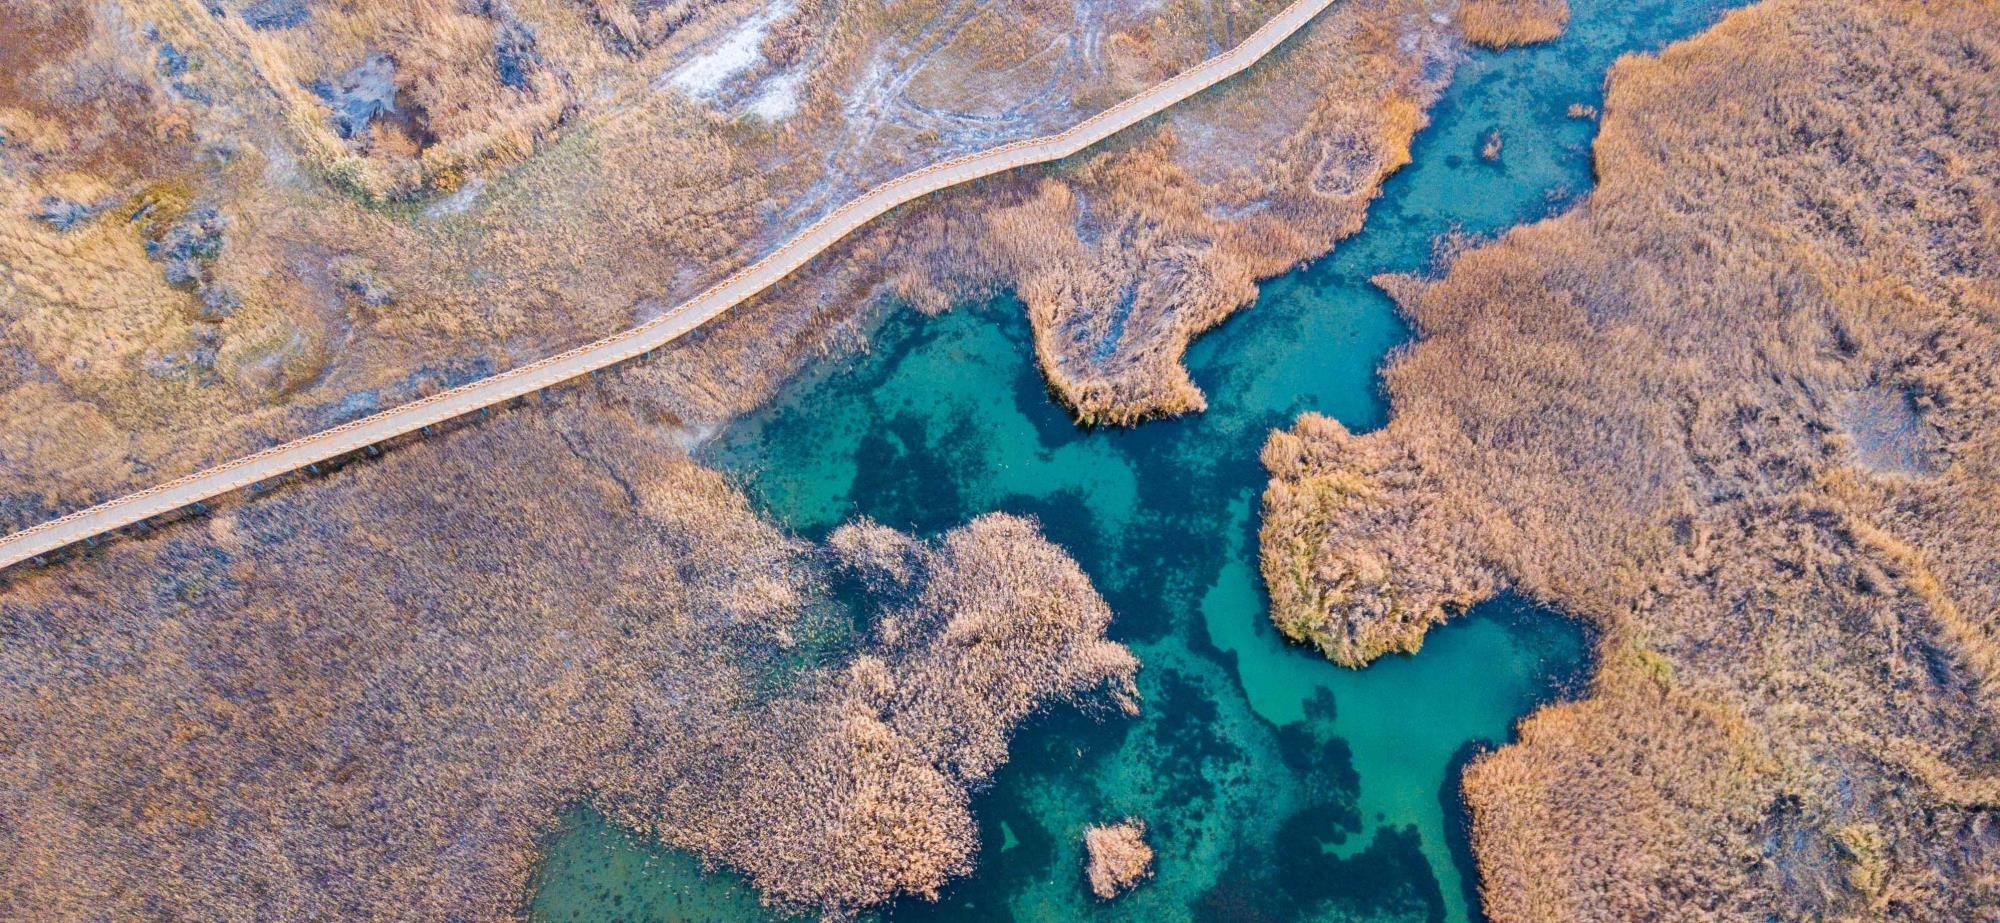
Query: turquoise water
{"type": "Point", "coordinates": [1275, 785]}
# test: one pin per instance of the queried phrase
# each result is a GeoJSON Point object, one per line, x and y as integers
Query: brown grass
{"type": "Point", "coordinates": [369, 696]}
{"type": "Point", "coordinates": [1684, 780]}
{"type": "Point", "coordinates": [1506, 23]}
{"type": "Point", "coordinates": [1643, 412]}
{"type": "Point", "coordinates": [518, 221]}
{"type": "Point", "coordinates": [1127, 255]}
{"type": "Point", "coordinates": [588, 198]}
{"type": "Point", "coordinates": [1360, 562]}
{"type": "Point", "coordinates": [1119, 857]}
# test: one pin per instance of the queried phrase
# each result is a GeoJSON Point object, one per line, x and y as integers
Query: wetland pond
{"type": "Point", "coordinates": [1275, 785]}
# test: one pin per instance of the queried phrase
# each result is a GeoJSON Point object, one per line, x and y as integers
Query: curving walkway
{"type": "Point", "coordinates": [747, 282]}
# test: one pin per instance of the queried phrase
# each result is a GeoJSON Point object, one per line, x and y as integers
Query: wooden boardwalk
{"type": "Point", "coordinates": [689, 315]}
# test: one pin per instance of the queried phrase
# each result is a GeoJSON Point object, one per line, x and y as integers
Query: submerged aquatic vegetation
{"type": "Point", "coordinates": [1126, 255]}
{"type": "Point", "coordinates": [371, 695]}
{"type": "Point", "coordinates": [1644, 412]}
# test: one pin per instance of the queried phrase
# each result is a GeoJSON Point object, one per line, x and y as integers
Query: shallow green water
{"type": "Point", "coordinates": [1276, 786]}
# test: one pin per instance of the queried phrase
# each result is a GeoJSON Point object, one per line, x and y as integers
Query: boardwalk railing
{"type": "Point", "coordinates": [689, 315]}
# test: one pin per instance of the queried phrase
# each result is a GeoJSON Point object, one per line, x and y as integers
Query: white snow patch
{"type": "Point", "coordinates": [457, 202]}
{"type": "Point", "coordinates": [280, 167]}
{"type": "Point", "coordinates": [780, 97]}
{"type": "Point", "coordinates": [737, 51]}
{"type": "Point", "coordinates": [694, 435]}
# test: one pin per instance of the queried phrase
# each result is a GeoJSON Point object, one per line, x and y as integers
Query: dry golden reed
{"type": "Point", "coordinates": [542, 179]}
{"type": "Point", "coordinates": [1741, 410]}
{"type": "Point", "coordinates": [371, 695]}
